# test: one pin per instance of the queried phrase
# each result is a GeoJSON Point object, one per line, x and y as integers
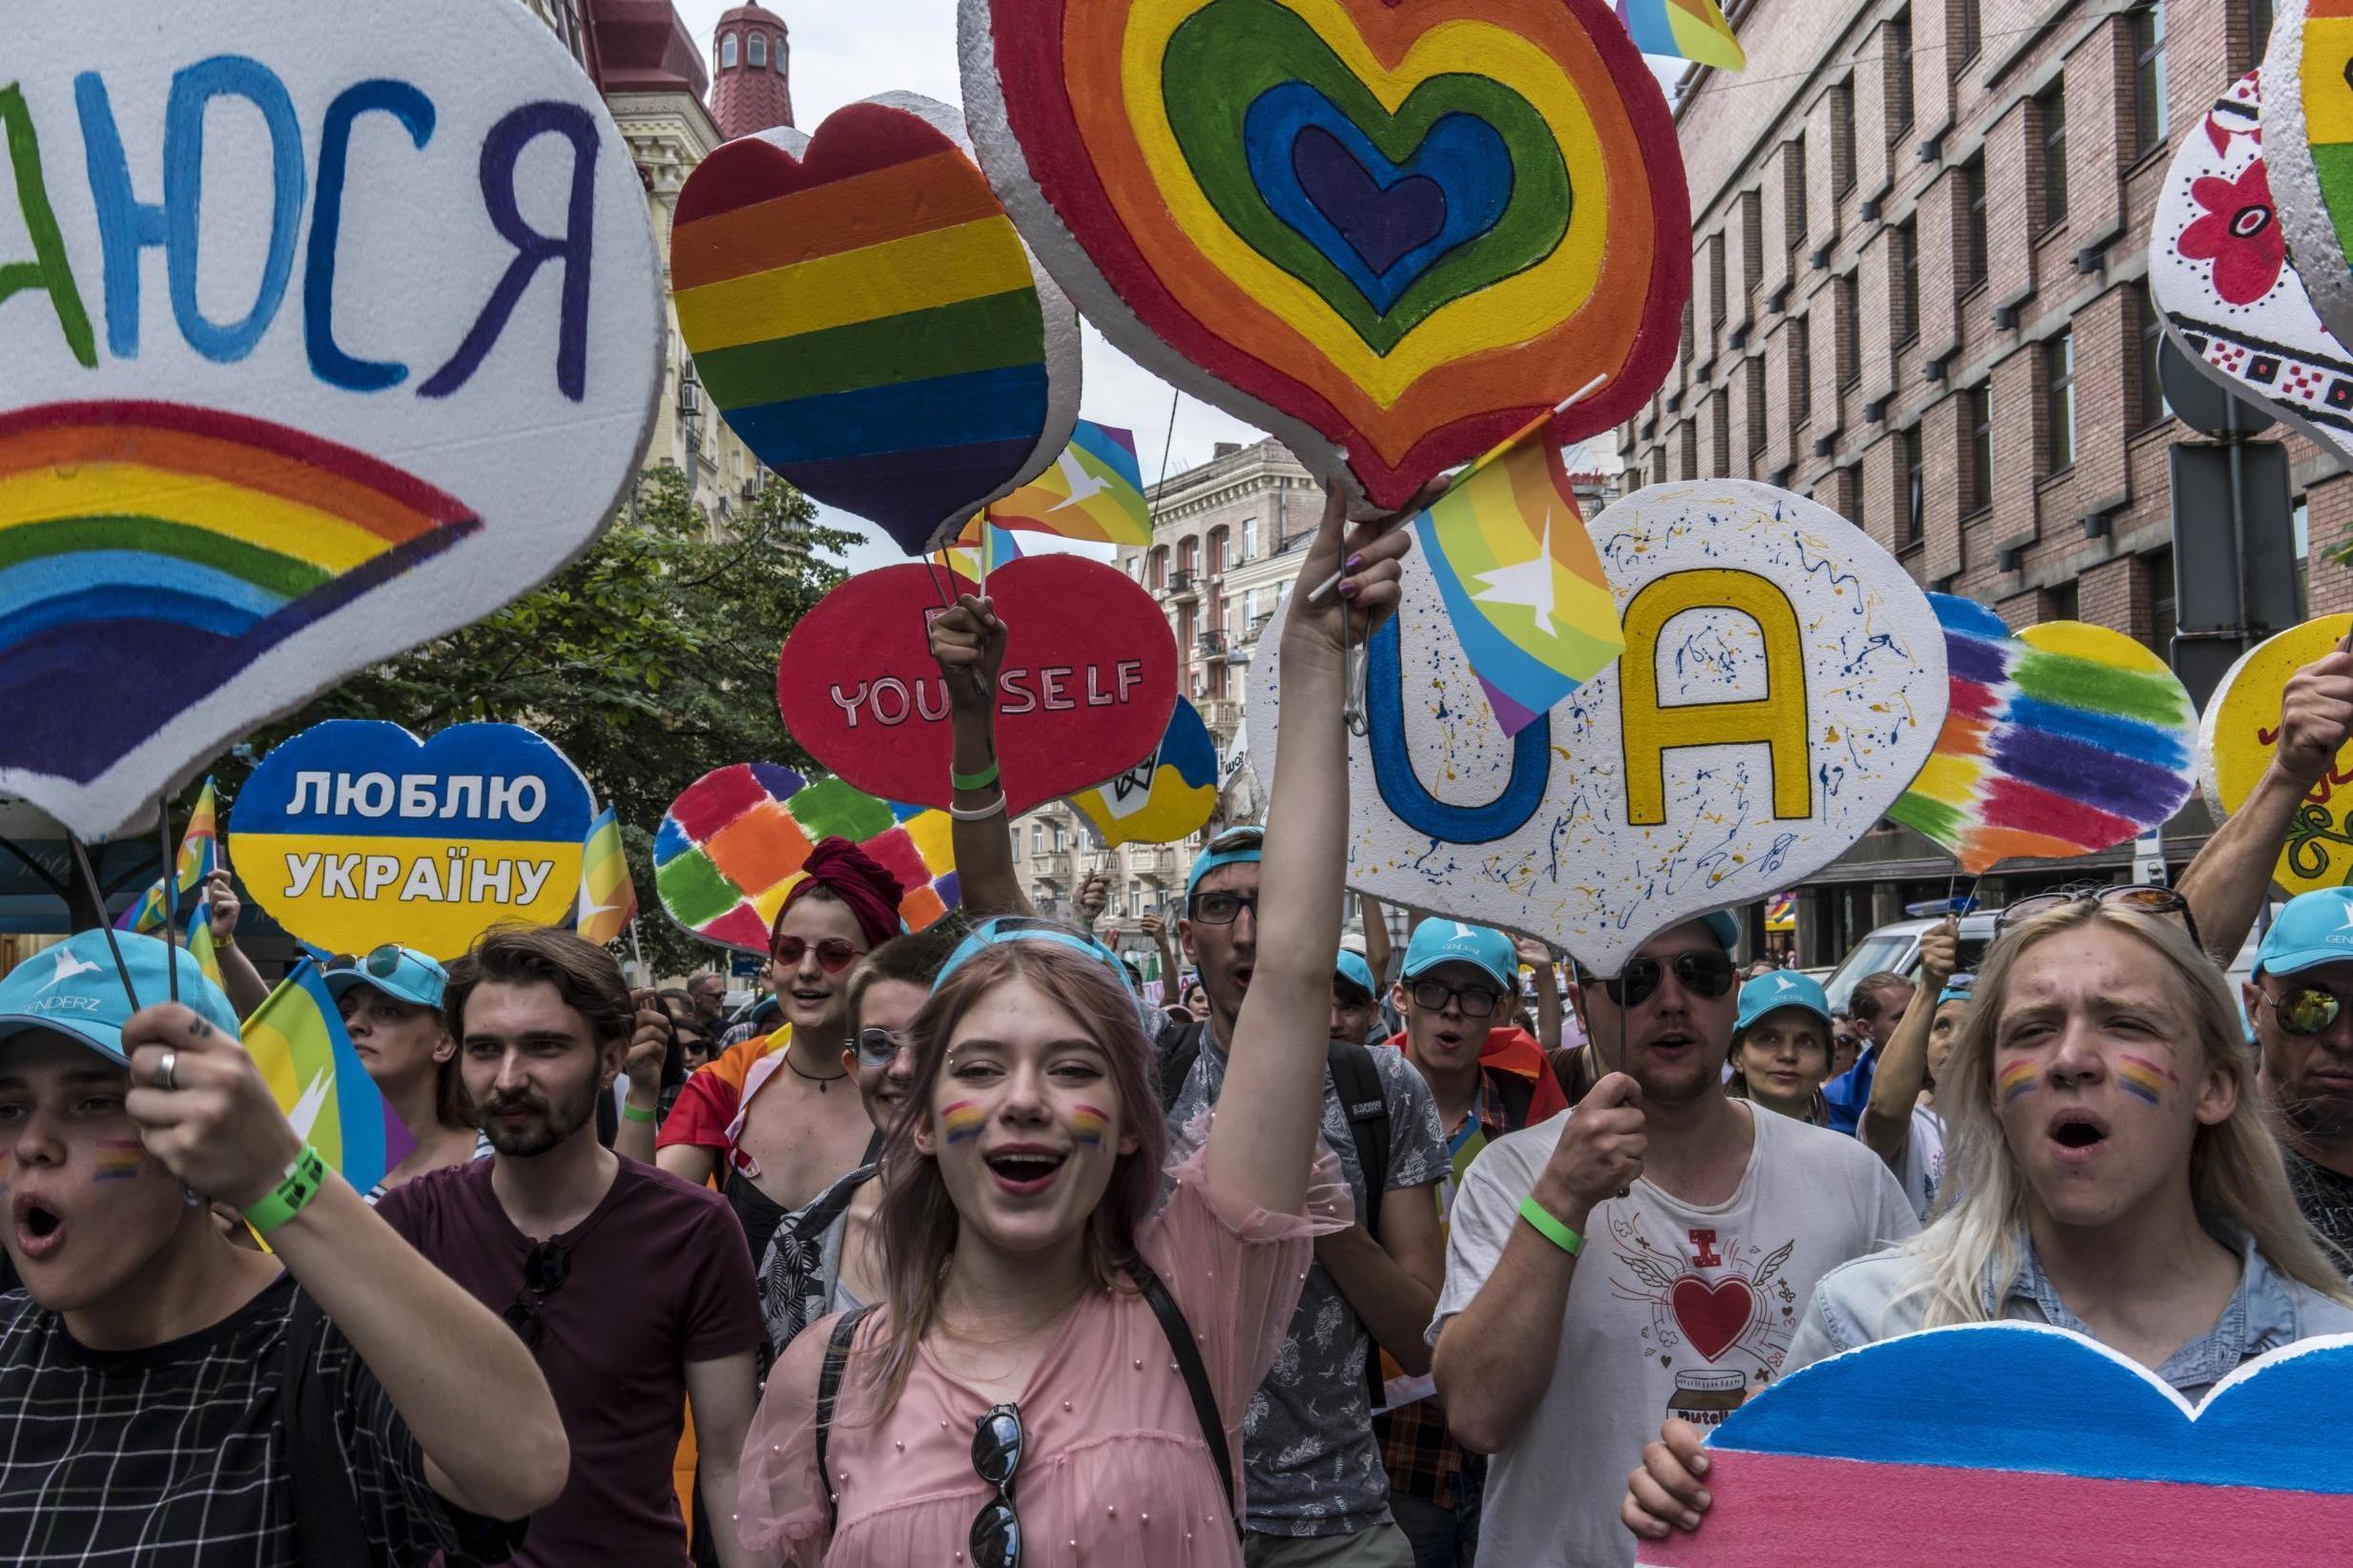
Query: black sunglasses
{"type": "Point", "coordinates": [1707, 973]}
{"type": "Point", "coordinates": [2139, 897]}
{"type": "Point", "coordinates": [2305, 1010]}
{"type": "Point", "coordinates": [994, 1540]}
{"type": "Point", "coordinates": [543, 1273]}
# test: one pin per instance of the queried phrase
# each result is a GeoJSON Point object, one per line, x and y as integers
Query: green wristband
{"type": "Point", "coordinates": [293, 1194]}
{"type": "Point", "coordinates": [1549, 1227]}
{"type": "Point", "coordinates": [980, 780]}
{"type": "Point", "coordinates": [634, 1114]}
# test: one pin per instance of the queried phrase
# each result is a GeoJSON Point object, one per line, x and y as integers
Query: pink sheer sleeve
{"type": "Point", "coordinates": [1238, 1275]}
{"type": "Point", "coordinates": [781, 1513]}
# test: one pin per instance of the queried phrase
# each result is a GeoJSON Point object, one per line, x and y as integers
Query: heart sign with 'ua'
{"type": "Point", "coordinates": [1088, 683]}
{"type": "Point", "coordinates": [1392, 235]}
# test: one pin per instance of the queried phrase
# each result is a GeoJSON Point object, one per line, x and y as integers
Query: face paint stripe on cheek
{"type": "Point", "coordinates": [119, 1159]}
{"type": "Point", "coordinates": [2017, 1081]}
{"type": "Point", "coordinates": [1088, 1125]}
{"type": "Point", "coordinates": [2144, 1079]}
{"type": "Point", "coordinates": [962, 1120]}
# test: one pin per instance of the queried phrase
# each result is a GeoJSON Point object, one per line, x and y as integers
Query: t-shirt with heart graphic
{"type": "Point", "coordinates": [1675, 1310]}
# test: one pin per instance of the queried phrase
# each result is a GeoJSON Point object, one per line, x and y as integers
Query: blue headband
{"type": "Point", "coordinates": [1026, 928]}
{"type": "Point", "coordinates": [1212, 858]}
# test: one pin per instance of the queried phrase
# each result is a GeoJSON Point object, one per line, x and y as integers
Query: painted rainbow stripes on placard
{"type": "Point", "coordinates": [2064, 739]}
{"type": "Point", "coordinates": [298, 1041]}
{"type": "Point", "coordinates": [732, 846]}
{"type": "Point", "coordinates": [1094, 491]}
{"type": "Point", "coordinates": [962, 1121]}
{"type": "Point", "coordinates": [866, 319]}
{"type": "Point", "coordinates": [2016, 1080]}
{"type": "Point", "coordinates": [202, 537]}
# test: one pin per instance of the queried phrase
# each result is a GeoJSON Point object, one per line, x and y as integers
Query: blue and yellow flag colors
{"type": "Point", "coordinates": [1523, 583]}
{"type": "Point", "coordinates": [199, 853]}
{"type": "Point", "coordinates": [608, 897]}
{"type": "Point", "coordinates": [1685, 29]}
{"type": "Point", "coordinates": [1166, 798]}
{"type": "Point", "coordinates": [1094, 491]}
{"type": "Point", "coordinates": [297, 1040]}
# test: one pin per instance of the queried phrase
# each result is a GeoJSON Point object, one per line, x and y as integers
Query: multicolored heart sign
{"type": "Point", "coordinates": [2239, 734]}
{"type": "Point", "coordinates": [327, 329]}
{"type": "Point", "coordinates": [733, 847]}
{"type": "Point", "coordinates": [864, 315]}
{"type": "Point", "coordinates": [2016, 1443]}
{"type": "Point", "coordinates": [2063, 739]}
{"type": "Point", "coordinates": [2220, 275]}
{"type": "Point", "coordinates": [1391, 235]}
{"type": "Point", "coordinates": [1088, 683]}
{"type": "Point", "coordinates": [2308, 145]}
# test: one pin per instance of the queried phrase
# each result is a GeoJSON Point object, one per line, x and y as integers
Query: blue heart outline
{"type": "Point", "coordinates": [1465, 156]}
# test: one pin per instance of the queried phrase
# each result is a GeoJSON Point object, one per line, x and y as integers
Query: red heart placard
{"type": "Point", "coordinates": [1089, 683]}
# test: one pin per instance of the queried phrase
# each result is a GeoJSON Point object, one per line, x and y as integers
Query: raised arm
{"type": "Point", "coordinates": [1377, 940]}
{"type": "Point", "coordinates": [2230, 881]}
{"type": "Point", "coordinates": [648, 1048]}
{"type": "Point", "coordinates": [1266, 1126]}
{"type": "Point", "coordinates": [1903, 1071]}
{"type": "Point", "coordinates": [969, 641]}
{"type": "Point", "coordinates": [239, 979]}
{"type": "Point", "coordinates": [1539, 958]}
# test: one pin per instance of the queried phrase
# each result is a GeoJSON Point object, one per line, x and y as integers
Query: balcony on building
{"type": "Point", "coordinates": [1184, 585]}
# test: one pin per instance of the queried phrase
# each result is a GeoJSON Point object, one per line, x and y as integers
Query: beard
{"type": "Point", "coordinates": [552, 1122]}
{"type": "Point", "coordinates": [2323, 1117]}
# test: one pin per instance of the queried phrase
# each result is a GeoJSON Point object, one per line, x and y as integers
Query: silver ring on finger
{"type": "Point", "coordinates": [166, 1071]}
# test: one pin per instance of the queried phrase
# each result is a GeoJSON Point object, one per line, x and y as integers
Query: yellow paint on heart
{"type": "Point", "coordinates": [940, 267]}
{"type": "Point", "coordinates": [1501, 315]}
{"type": "Point", "coordinates": [2328, 97]}
{"type": "Point", "coordinates": [217, 506]}
{"type": "Point", "coordinates": [2243, 709]}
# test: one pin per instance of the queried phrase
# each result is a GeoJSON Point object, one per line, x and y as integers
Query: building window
{"type": "Point", "coordinates": [1850, 337]}
{"type": "Point", "coordinates": [2299, 527]}
{"type": "Point", "coordinates": [727, 53]}
{"type": "Point", "coordinates": [1906, 327]}
{"type": "Point", "coordinates": [1755, 372]}
{"type": "Point", "coordinates": [1842, 137]}
{"type": "Point", "coordinates": [755, 52]}
{"type": "Point", "coordinates": [2153, 407]}
{"type": "Point", "coordinates": [1970, 268]}
{"type": "Point", "coordinates": [1793, 190]}
{"type": "Point", "coordinates": [1898, 60]}
{"type": "Point", "coordinates": [2149, 114]}
{"type": "Point", "coordinates": [1687, 335]}
{"type": "Point", "coordinates": [2259, 31]}
{"type": "Point", "coordinates": [2052, 107]}
{"type": "Point", "coordinates": [1801, 371]}
{"type": "Point", "coordinates": [1977, 422]}
{"type": "Point", "coordinates": [1658, 463]}
{"type": "Point", "coordinates": [2159, 564]}
{"type": "Point", "coordinates": [1037, 838]}
{"type": "Point", "coordinates": [1722, 417]}
{"type": "Point", "coordinates": [2064, 601]}
{"type": "Point", "coordinates": [1156, 577]}
{"type": "Point", "coordinates": [1914, 518]}
{"type": "Point", "coordinates": [781, 56]}
{"type": "Point", "coordinates": [1691, 449]}
{"type": "Point", "coordinates": [1716, 305]}
{"type": "Point", "coordinates": [2059, 381]}
{"type": "Point", "coordinates": [1752, 238]}
{"type": "Point", "coordinates": [1855, 495]}
{"type": "Point", "coordinates": [1217, 551]}
{"type": "Point", "coordinates": [1972, 34]}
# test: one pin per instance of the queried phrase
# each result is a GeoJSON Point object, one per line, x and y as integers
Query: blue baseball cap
{"type": "Point", "coordinates": [73, 989]}
{"type": "Point", "coordinates": [400, 973]}
{"type": "Point", "coordinates": [1451, 941]}
{"type": "Point", "coordinates": [2313, 929]}
{"type": "Point", "coordinates": [1353, 968]}
{"type": "Point", "coordinates": [1235, 847]}
{"type": "Point", "coordinates": [1771, 993]}
{"type": "Point", "coordinates": [1959, 989]}
{"type": "Point", "coordinates": [1724, 926]}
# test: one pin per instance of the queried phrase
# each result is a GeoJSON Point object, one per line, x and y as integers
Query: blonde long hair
{"type": "Point", "coordinates": [2236, 1172]}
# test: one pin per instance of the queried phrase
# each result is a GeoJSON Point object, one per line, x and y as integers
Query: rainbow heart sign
{"type": "Point", "coordinates": [2307, 142]}
{"type": "Point", "coordinates": [1392, 235]}
{"type": "Point", "coordinates": [863, 313]}
{"type": "Point", "coordinates": [732, 846]}
{"type": "Point", "coordinates": [2062, 739]}
{"type": "Point", "coordinates": [328, 329]}
{"type": "Point", "coordinates": [2016, 1443]}
{"type": "Point", "coordinates": [1088, 683]}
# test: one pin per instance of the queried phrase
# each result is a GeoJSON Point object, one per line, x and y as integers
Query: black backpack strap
{"type": "Point", "coordinates": [326, 1512]}
{"type": "Point", "coordinates": [829, 1384]}
{"type": "Point", "coordinates": [1180, 1337]}
{"type": "Point", "coordinates": [1179, 1049]}
{"type": "Point", "coordinates": [1357, 1081]}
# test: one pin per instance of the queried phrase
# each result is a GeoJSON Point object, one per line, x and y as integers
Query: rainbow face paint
{"type": "Point", "coordinates": [1088, 1125]}
{"type": "Point", "coordinates": [2144, 1079]}
{"type": "Point", "coordinates": [2017, 1080]}
{"type": "Point", "coordinates": [962, 1121]}
{"type": "Point", "coordinates": [119, 1160]}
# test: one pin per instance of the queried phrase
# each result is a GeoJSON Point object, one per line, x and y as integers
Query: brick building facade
{"type": "Point", "coordinates": [1919, 296]}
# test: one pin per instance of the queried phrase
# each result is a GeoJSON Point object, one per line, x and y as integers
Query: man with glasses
{"type": "Point", "coordinates": [710, 993]}
{"type": "Point", "coordinates": [1643, 1256]}
{"type": "Point", "coordinates": [632, 1288]}
{"type": "Point", "coordinates": [2301, 1002]}
{"type": "Point", "coordinates": [1318, 1489]}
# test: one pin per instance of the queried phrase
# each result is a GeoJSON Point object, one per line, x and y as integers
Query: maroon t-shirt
{"type": "Point", "coordinates": [660, 1276]}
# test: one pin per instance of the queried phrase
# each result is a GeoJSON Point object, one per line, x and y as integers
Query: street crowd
{"type": "Point", "coordinates": [970, 1255]}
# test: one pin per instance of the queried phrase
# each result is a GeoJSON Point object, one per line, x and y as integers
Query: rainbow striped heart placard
{"type": "Point", "coordinates": [862, 310]}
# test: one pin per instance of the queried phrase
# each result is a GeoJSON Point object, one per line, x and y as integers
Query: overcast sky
{"type": "Point", "coordinates": [847, 49]}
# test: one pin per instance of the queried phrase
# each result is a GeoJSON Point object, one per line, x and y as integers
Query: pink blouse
{"type": "Point", "coordinates": [1115, 1471]}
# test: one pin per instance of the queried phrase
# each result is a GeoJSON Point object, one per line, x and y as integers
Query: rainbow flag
{"type": "Point", "coordinates": [1094, 491]}
{"type": "Point", "coordinates": [199, 854]}
{"type": "Point", "coordinates": [298, 1041]}
{"type": "Point", "coordinates": [200, 947]}
{"type": "Point", "coordinates": [982, 548]}
{"type": "Point", "coordinates": [608, 897]}
{"type": "Point", "coordinates": [1521, 581]}
{"type": "Point", "coordinates": [1687, 29]}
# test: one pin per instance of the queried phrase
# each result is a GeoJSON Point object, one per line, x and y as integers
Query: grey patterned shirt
{"type": "Point", "coordinates": [1308, 1453]}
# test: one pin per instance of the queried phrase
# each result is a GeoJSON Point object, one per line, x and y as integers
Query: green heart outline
{"type": "Point", "coordinates": [1220, 60]}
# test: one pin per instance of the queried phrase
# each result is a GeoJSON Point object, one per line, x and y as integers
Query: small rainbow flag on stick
{"type": "Point", "coordinates": [1094, 491]}
{"type": "Point", "coordinates": [1523, 583]}
{"type": "Point", "coordinates": [981, 548]}
{"type": "Point", "coordinates": [608, 897]}
{"type": "Point", "coordinates": [1686, 30]}
{"type": "Point", "coordinates": [296, 1039]}
{"type": "Point", "coordinates": [199, 853]}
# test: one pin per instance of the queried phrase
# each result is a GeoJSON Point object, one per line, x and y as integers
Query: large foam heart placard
{"type": "Point", "coordinates": [2062, 739]}
{"type": "Point", "coordinates": [2016, 1443]}
{"type": "Point", "coordinates": [2240, 732]}
{"type": "Point", "coordinates": [1784, 679]}
{"type": "Point", "coordinates": [2219, 276]}
{"type": "Point", "coordinates": [864, 315]}
{"type": "Point", "coordinates": [2307, 122]}
{"type": "Point", "coordinates": [1392, 235]}
{"type": "Point", "coordinates": [327, 329]}
{"type": "Point", "coordinates": [1088, 683]}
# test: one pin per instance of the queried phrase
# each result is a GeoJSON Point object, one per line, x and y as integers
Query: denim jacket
{"type": "Point", "coordinates": [1857, 1304]}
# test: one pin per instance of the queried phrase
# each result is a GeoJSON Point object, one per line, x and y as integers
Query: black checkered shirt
{"type": "Point", "coordinates": [176, 1457]}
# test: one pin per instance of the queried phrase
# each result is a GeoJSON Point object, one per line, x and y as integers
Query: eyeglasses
{"type": "Point", "coordinates": [876, 1048]}
{"type": "Point", "coordinates": [996, 1537]}
{"type": "Point", "coordinates": [834, 955]}
{"type": "Point", "coordinates": [1474, 1001]}
{"type": "Point", "coordinates": [543, 1273]}
{"type": "Point", "coordinates": [1223, 908]}
{"type": "Point", "coordinates": [2305, 1009]}
{"type": "Point", "coordinates": [1706, 972]}
{"type": "Point", "coordinates": [2139, 897]}
{"type": "Point", "coordinates": [384, 962]}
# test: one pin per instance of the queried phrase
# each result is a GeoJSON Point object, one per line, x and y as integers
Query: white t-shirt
{"type": "Point", "coordinates": [1673, 1309]}
{"type": "Point", "coordinates": [1923, 1165]}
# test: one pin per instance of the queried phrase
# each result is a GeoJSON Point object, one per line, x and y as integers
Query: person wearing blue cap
{"type": "Point", "coordinates": [1356, 1000]}
{"type": "Point", "coordinates": [1781, 1045]}
{"type": "Point", "coordinates": [2300, 999]}
{"type": "Point", "coordinates": [391, 1002]}
{"type": "Point", "coordinates": [177, 1401]}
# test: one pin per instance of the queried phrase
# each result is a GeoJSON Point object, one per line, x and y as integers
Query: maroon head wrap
{"type": "Point", "coordinates": [859, 880]}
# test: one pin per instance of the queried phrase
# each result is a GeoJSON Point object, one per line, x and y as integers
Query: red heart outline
{"type": "Point", "coordinates": [1712, 1314]}
{"type": "Point", "coordinates": [1060, 613]}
